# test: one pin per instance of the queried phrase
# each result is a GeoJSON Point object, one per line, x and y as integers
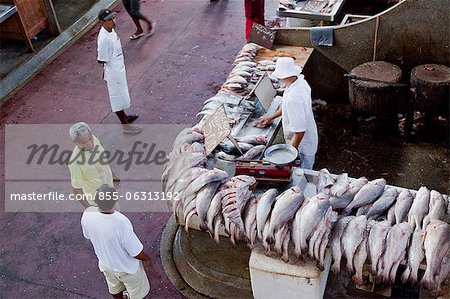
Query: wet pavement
{"type": "Point", "coordinates": [169, 75]}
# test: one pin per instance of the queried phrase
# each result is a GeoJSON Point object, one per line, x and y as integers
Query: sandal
{"type": "Point", "coordinates": [136, 36]}
{"type": "Point", "coordinates": [151, 31]}
{"type": "Point", "coordinates": [131, 118]}
{"type": "Point", "coordinates": [132, 131]}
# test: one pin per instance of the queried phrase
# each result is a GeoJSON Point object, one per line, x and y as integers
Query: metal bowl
{"type": "Point", "coordinates": [280, 154]}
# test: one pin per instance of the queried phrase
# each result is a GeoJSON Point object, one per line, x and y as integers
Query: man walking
{"type": "Point", "coordinates": [109, 54]}
{"type": "Point", "coordinates": [299, 126]}
{"type": "Point", "coordinates": [87, 172]}
{"type": "Point", "coordinates": [133, 7]}
{"type": "Point", "coordinates": [120, 253]}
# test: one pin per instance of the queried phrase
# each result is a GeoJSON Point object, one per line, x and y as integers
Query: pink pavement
{"type": "Point", "coordinates": [170, 75]}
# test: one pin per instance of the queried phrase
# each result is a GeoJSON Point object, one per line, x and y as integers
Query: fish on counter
{"type": "Point", "coordinates": [396, 244]}
{"type": "Point", "coordinates": [416, 254]}
{"type": "Point", "coordinates": [344, 200]}
{"type": "Point", "coordinates": [377, 244]}
{"type": "Point", "coordinates": [382, 204]}
{"type": "Point", "coordinates": [437, 247]}
{"type": "Point", "coordinates": [361, 255]}
{"type": "Point", "coordinates": [354, 234]}
{"type": "Point", "coordinates": [341, 185]}
{"type": "Point", "coordinates": [252, 153]}
{"type": "Point", "coordinates": [335, 242]}
{"type": "Point", "coordinates": [403, 205]}
{"type": "Point", "coordinates": [367, 194]}
{"type": "Point", "coordinates": [325, 180]}
{"type": "Point", "coordinates": [252, 139]}
{"type": "Point", "coordinates": [264, 209]}
{"type": "Point", "coordinates": [437, 209]}
{"type": "Point", "coordinates": [419, 208]}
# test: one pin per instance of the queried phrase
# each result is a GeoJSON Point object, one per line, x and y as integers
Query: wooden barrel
{"type": "Point", "coordinates": [431, 83]}
{"type": "Point", "coordinates": [370, 87]}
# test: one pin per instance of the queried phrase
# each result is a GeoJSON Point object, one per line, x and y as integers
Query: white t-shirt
{"type": "Point", "coordinates": [297, 115]}
{"type": "Point", "coordinates": [113, 238]}
{"type": "Point", "coordinates": [105, 44]}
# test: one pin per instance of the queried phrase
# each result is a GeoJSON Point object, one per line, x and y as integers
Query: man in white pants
{"type": "Point", "coordinates": [109, 54]}
{"type": "Point", "coordinates": [299, 126]}
{"type": "Point", "coordinates": [120, 254]}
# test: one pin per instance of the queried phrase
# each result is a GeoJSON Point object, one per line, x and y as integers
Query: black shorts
{"type": "Point", "coordinates": [133, 7]}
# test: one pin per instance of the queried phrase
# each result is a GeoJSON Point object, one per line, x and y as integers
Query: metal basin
{"type": "Point", "coordinates": [280, 154]}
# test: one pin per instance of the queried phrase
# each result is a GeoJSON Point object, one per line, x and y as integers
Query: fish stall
{"type": "Point", "coordinates": [235, 181]}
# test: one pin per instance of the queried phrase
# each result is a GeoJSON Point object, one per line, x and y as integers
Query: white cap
{"type": "Point", "coordinates": [285, 67]}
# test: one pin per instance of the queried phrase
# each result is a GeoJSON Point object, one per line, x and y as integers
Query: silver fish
{"type": "Point", "coordinates": [396, 242]}
{"type": "Point", "coordinates": [320, 237]}
{"type": "Point", "coordinates": [340, 186]}
{"type": "Point", "coordinates": [345, 199]}
{"type": "Point", "coordinates": [354, 234]}
{"type": "Point", "coordinates": [362, 210]}
{"type": "Point", "coordinates": [285, 207]}
{"type": "Point", "coordinates": [383, 203]}
{"type": "Point", "coordinates": [214, 209]}
{"type": "Point", "coordinates": [325, 180]}
{"type": "Point", "coordinates": [361, 255]}
{"type": "Point", "coordinates": [437, 246]}
{"type": "Point", "coordinates": [391, 215]}
{"type": "Point", "coordinates": [335, 242]}
{"type": "Point", "coordinates": [225, 156]}
{"type": "Point", "coordinates": [312, 212]}
{"type": "Point", "coordinates": [203, 201]}
{"type": "Point", "coordinates": [403, 205]}
{"type": "Point", "coordinates": [416, 254]}
{"type": "Point", "coordinates": [263, 209]}
{"type": "Point", "coordinates": [213, 175]}
{"type": "Point", "coordinates": [367, 194]}
{"type": "Point", "coordinates": [252, 139]}
{"type": "Point", "coordinates": [249, 217]}
{"type": "Point", "coordinates": [419, 208]}
{"type": "Point", "coordinates": [253, 153]}
{"type": "Point", "coordinates": [377, 244]}
{"type": "Point", "coordinates": [438, 208]}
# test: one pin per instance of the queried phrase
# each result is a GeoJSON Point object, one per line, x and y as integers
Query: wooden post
{"type": "Point", "coordinates": [54, 27]}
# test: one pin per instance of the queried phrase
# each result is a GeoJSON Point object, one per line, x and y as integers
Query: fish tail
{"type": "Point", "coordinates": [406, 274]}
{"type": "Point", "coordinates": [336, 267]}
{"type": "Point", "coordinates": [188, 217]}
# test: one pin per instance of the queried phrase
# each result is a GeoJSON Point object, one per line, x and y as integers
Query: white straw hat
{"type": "Point", "coordinates": [285, 67]}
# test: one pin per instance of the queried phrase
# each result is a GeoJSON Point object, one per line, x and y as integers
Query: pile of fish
{"type": "Point", "coordinates": [245, 72]}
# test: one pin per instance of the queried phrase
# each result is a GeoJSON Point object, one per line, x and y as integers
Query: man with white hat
{"type": "Point", "coordinates": [299, 126]}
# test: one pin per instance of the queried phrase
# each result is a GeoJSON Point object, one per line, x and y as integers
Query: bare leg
{"type": "Point", "coordinates": [150, 24]}
{"type": "Point", "coordinates": [139, 29]}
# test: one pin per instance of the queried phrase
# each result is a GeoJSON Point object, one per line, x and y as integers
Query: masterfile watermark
{"type": "Point", "coordinates": [141, 153]}
{"type": "Point", "coordinates": [43, 167]}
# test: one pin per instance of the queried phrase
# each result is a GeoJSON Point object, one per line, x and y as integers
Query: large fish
{"type": "Point", "coordinates": [396, 242]}
{"type": "Point", "coordinates": [419, 208]}
{"type": "Point", "coordinates": [377, 244]}
{"type": "Point", "coordinates": [416, 254]}
{"type": "Point", "coordinates": [320, 237]}
{"type": "Point", "coordinates": [345, 199]}
{"type": "Point", "coordinates": [403, 205]}
{"type": "Point", "coordinates": [249, 217]}
{"type": "Point", "coordinates": [213, 175]}
{"type": "Point", "coordinates": [214, 209]}
{"type": "Point", "coordinates": [341, 185]}
{"type": "Point", "coordinates": [285, 207]}
{"type": "Point", "coordinates": [263, 209]}
{"type": "Point", "coordinates": [312, 212]}
{"type": "Point", "coordinates": [361, 255]}
{"type": "Point", "coordinates": [367, 194]}
{"type": "Point", "coordinates": [335, 242]}
{"type": "Point", "coordinates": [438, 208]}
{"type": "Point", "coordinates": [252, 153]}
{"type": "Point", "coordinates": [252, 139]}
{"type": "Point", "coordinates": [325, 180]}
{"type": "Point", "coordinates": [383, 203]}
{"type": "Point", "coordinates": [437, 246]}
{"type": "Point", "coordinates": [203, 201]}
{"type": "Point", "coordinates": [354, 234]}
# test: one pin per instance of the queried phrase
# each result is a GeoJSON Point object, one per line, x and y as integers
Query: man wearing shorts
{"type": "Point", "coordinates": [133, 7]}
{"type": "Point", "coordinates": [120, 253]}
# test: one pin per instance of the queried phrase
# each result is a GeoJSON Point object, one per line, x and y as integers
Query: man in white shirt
{"type": "Point", "coordinates": [299, 126]}
{"type": "Point", "coordinates": [109, 54]}
{"type": "Point", "coordinates": [120, 253]}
